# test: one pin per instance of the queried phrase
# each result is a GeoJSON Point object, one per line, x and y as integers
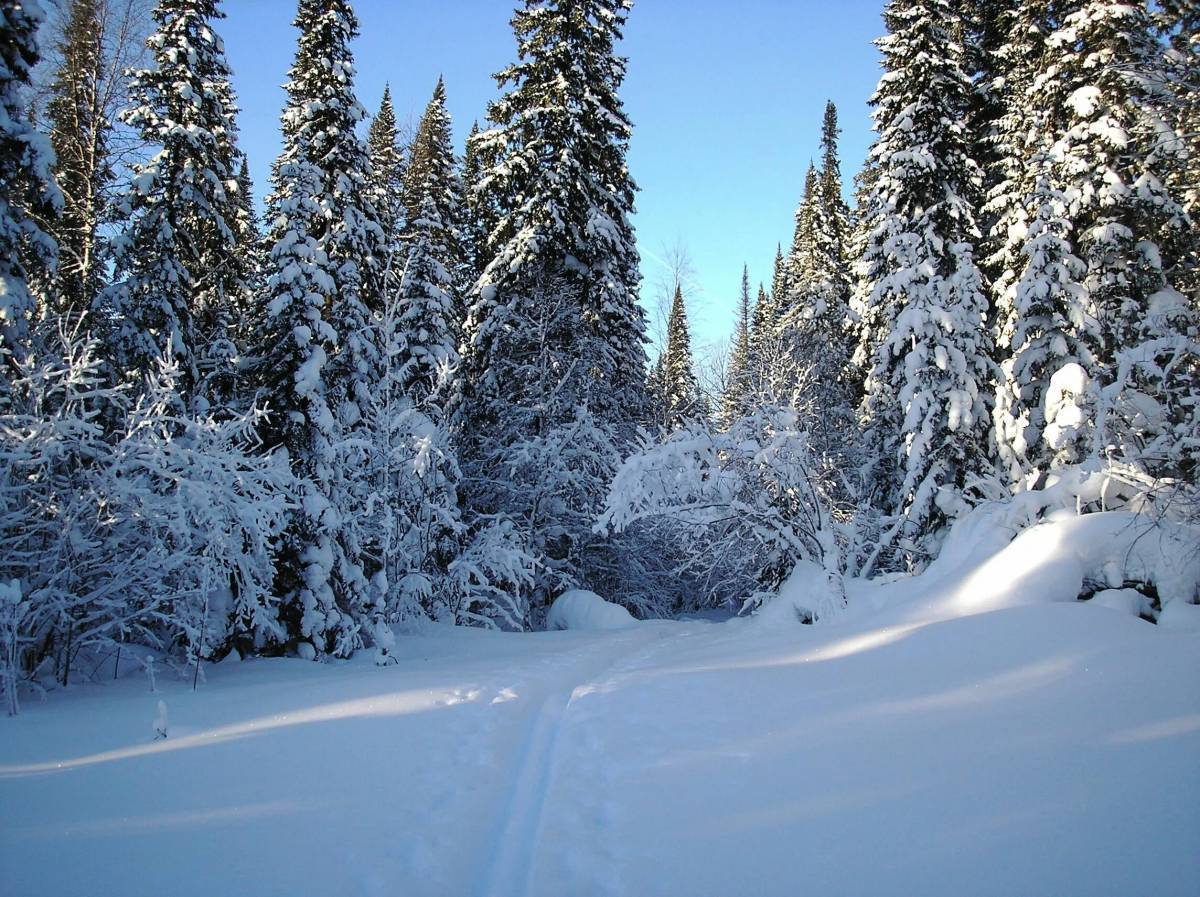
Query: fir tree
{"type": "Point", "coordinates": [555, 338]}
{"type": "Point", "coordinates": [175, 258]}
{"type": "Point", "coordinates": [680, 389]}
{"type": "Point", "coordinates": [737, 389]}
{"type": "Point", "coordinates": [766, 313]}
{"type": "Point", "coordinates": [27, 191]}
{"type": "Point", "coordinates": [833, 231]}
{"type": "Point", "coordinates": [321, 358]}
{"type": "Point", "coordinates": [387, 169]}
{"type": "Point", "coordinates": [1114, 156]}
{"type": "Point", "coordinates": [436, 265]}
{"type": "Point", "coordinates": [920, 288]}
{"type": "Point", "coordinates": [479, 213]}
{"type": "Point", "coordinates": [80, 133]}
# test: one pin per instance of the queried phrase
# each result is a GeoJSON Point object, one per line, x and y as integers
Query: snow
{"type": "Point", "coordinates": [971, 730]}
{"type": "Point", "coordinates": [580, 609]}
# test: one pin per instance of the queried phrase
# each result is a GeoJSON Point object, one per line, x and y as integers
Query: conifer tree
{"type": "Point", "coordinates": [680, 389]}
{"type": "Point", "coordinates": [766, 313]}
{"type": "Point", "coordinates": [920, 288]}
{"type": "Point", "coordinates": [737, 389]}
{"type": "Point", "coordinates": [387, 167]}
{"type": "Point", "coordinates": [1016, 137]}
{"type": "Point", "coordinates": [175, 257]}
{"type": "Point", "coordinates": [80, 133]}
{"type": "Point", "coordinates": [1114, 156]}
{"type": "Point", "coordinates": [479, 212]}
{"type": "Point", "coordinates": [554, 380]}
{"type": "Point", "coordinates": [27, 191]}
{"type": "Point", "coordinates": [319, 345]}
{"type": "Point", "coordinates": [436, 265]}
{"type": "Point", "coordinates": [833, 232]}
{"type": "Point", "coordinates": [1178, 23]}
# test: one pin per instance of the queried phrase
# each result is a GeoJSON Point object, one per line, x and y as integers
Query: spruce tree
{"type": "Point", "coordinates": [174, 258]}
{"type": "Point", "coordinates": [833, 231]}
{"type": "Point", "coordinates": [920, 288]}
{"type": "Point", "coordinates": [387, 169]}
{"type": "Point", "coordinates": [737, 388]}
{"type": "Point", "coordinates": [319, 344]}
{"type": "Point", "coordinates": [554, 374]}
{"type": "Point", "coordinates": [436, 265]}
{"type": "Point", "coordinates": [80, 133]}
{"type": "Point", "coordinates": [27, 191]}
{"type": "Point", "coordinates": [1115, 156]}
{"type": "Point", "coordinates": [766, 313]}
{"type": "Point", "coordinates": [681, 392]}
{"type": "Point", "coordinates": [479, 212]}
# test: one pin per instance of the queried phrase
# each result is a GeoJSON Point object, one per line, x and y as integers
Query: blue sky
{"type": "Point", "coordinates": [726, 100]}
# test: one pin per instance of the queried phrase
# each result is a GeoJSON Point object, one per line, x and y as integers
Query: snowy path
{"type": "Point", "coordinates": [521, 815]}
{"type": "Point", "coordinates": [1037, 751]}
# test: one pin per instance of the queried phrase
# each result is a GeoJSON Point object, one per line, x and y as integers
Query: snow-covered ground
{"type": "Point", "coordinates": [944, 739]}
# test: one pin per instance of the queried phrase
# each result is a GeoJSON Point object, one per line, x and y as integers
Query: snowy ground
{"type": "Point", "coordinates": [1041, 750]}
{"type": "Point", "coordinates": [939, 747]}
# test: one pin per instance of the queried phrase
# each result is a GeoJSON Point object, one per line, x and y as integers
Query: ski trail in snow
{"type": "Point", "coordinates": [510, 872]}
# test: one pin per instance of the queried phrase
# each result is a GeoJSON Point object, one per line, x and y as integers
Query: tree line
{"type": "Point", "coordinates": [417, 387]}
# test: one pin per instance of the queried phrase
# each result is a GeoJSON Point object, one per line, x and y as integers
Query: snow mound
{"type": "Point", "coordinates": [580, 609]}
{"type": "Point", "coordinates": [1180, 616]}
{"type": "Point", "coordinates": [1127, 601]}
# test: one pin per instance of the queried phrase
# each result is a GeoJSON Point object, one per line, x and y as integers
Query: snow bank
{"type": "Point", "coordinates": [580, 609]}
{"type": "Point", "coordinates": [984, 568]}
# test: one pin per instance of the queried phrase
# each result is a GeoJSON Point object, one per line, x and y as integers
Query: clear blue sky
{"type": "Point", "coordinates": [726, 100]}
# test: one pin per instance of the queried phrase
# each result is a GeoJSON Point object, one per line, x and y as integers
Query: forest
{"type": "Point", "coordinates": [418, 386]}
{"type": "Point", "coordinates": [371, 530]}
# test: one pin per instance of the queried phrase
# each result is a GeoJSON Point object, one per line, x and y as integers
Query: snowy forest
{"type": "Point", "coordinates": [417, 386]}
{"type": "Point", "coordinates": [406, 387]}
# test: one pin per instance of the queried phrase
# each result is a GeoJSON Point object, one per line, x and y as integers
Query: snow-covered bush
{"type": "Point", "coordinates": [158, 533]}
{"type": "Point", "coordinates": [750, 502]}
{"type": "Point", "coordinates": [490, 578]}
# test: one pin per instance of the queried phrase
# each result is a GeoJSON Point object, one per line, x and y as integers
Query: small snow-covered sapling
{"type": "Point", "coordinates": [160, 721]}
{"type": "Point", "coordinates": [148, 666]}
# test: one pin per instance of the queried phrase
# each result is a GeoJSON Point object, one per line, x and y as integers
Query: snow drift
{"type": "Point", "coordinates": [580, 609]}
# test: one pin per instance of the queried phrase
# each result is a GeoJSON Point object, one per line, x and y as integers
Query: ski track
{"type": "Point", "coordinates": [510, 870]}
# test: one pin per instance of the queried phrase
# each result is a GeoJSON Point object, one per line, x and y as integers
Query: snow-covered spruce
{"type": "Point", "coordinates": [925, 408]}
{"type": "Point", "coordinates": [180, 287]}
{"type": "Point", "coordinates": [27, 191]}
{"type": "Point", "coordinates": [319, 353]}
{"type": "Point", "coordinates": [553, 369]}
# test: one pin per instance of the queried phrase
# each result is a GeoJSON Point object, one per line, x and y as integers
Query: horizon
{"type": "Point", "coordinates": [724, 185]}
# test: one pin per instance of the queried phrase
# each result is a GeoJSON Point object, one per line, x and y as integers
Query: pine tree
{"type": "Point", "coordinates": [1114, 156]}
{"type": "Point", "coordinates": [479, 213]}
{"type": "Point", "coordinates": [803, 263]}
{"type": "Point", "coordinates": [554, 378]}
{"type": "Point", "coordinates": [174, 259]}
{"type": "Point", "coordinates": [680, 389]}
{"type": "Point", "coordinates": [833, 231]}
{"type": "Point", "coordinates": [80, 133]}
{"type": "Point", "coordinates": [436, 265]}
{"type": "Point", "coordinates": [1052, 325]}
{"type": "Point", "coordinates": [387, 169]}
{"type": "Point", "coordinates": [319, 345]}
{"type": "Point", "coordinates": [991, 28]}
{"type": "Point", "coordinates": [1178, 23]}
{"type": "Point", "coordinates": [27, 191]}
{"type": "Point", "coordinates": [920, 288]}
{"type": "Point", "coordinates": [766, 313]}
{"type": "Point", "coordinates": [737, 389]}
